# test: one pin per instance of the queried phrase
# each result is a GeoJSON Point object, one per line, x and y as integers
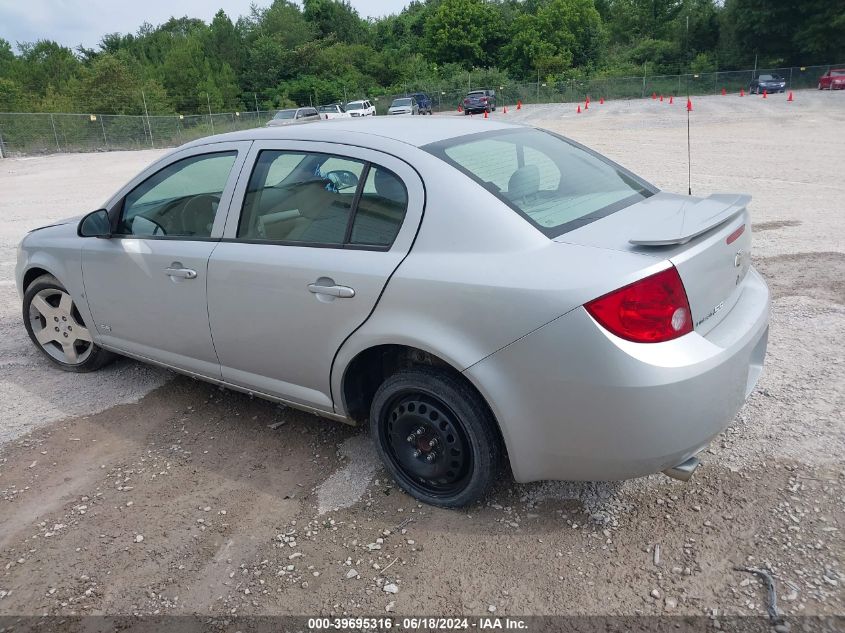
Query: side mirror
{"type": "Point", "coordinates": [95, 224]}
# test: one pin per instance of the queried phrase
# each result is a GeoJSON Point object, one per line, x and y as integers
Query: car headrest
{"type": "Point", "coordinates": [524, 182]}
{"type": "Point", "coordinates": [388, 186]}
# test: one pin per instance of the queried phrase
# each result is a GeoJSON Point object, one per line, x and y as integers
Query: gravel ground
{"type": "Point", "coordinates": [133, 491]}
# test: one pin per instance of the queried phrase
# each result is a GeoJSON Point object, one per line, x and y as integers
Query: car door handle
{"type": "Point", "coordinates": [182, 273]}
{"type": "Point", "coordinates": [341, 292]}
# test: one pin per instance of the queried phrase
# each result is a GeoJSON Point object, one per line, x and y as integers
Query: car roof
{"type": "Point", "coordinates": [359, 101]}
{"type": "Point", "coordinates": [356, 130]}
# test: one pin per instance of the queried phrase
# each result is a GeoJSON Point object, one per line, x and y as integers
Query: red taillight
{"type": "Point", "coordinates": [651, 310]}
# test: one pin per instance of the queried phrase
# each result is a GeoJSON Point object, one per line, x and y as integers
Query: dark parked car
{"type": "Point", "coordinates": [769, 83]}
{"type": "Point", "coordinates": [480, 101]}
{"type": "Point", "coordinates": [423, 101]}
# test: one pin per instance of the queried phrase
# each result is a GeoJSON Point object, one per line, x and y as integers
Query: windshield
{"type": "Point", "coordinates": [285, 114]}
{"type": "Point", "coordinates": [355, 105]}
{"type": "Point", "coordinates": [401, 102]}
{"type": "Point", "coordinates": [554, 183]}
{"type": "Point", "coordinates": [837, 73]}
{"type": "Point", "coordinates": [331, 108]}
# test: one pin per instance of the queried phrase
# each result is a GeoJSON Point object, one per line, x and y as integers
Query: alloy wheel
{"type": "Point", "coordinates": [58, 327]}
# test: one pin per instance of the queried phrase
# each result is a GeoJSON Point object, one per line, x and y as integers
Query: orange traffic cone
{"type": "Point", "coordinates": [661, 98]}
{"type": "Point", "coordinates": [579, 108]}
{"type": "Point", "coordinates": [689, 105]}
{"type": "Point", "coordinates": [486, 116]}
{"type": "Point", "coordinates": [519, 104]}
{"type": "Point", "coordinates": [654, 95]}
{"type": "Point", "coordinates": [765, 93]}
{"type": "Point", "coordinates": [460, 109]}
{"type": "Point", "coordinates": [741, 92]}
{"type": "Point", "coordinates": [505, 111]}
{"type": "Point", "coordinates": [723, 92]}
{"type": "Point", "coordinates": [789, 98]}
{"type": "Point", "coordinates": [601, 101]}
{"type": "Point", "coordinates": [586, 105]}
{"type": "Point", "coordinates": [671, 99]}
{"type": "Point", "coordinates": [588, 98]}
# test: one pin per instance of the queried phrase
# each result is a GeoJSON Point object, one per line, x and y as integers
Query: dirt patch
{"type": "Point", "coordinates": [774, 224]}
{"type": "Point", "coordinates": [187, 502]}
{"type": "Point", "coordinates": [817, 275]}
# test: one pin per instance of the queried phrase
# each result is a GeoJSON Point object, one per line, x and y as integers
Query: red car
{"type": "Point", "coordinates": [833, 79]}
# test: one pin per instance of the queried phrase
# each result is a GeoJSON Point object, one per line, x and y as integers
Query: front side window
{"type": "Point", "coordinates": [285, 114]}
{"type": "Point", "coordinates": [553, 183]}
{"type": "Point", "coordinates": [181, 200]}
{"type": "Point", "coordinates": [321, 199]}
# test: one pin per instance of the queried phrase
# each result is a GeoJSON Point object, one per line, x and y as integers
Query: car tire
{"type": "Point", "coordinates": [436, 436]}
{"type": "Point", "coordinates": [77, 351]}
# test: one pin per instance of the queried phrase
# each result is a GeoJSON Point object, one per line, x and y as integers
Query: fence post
{"type": "Point", "coordinates": [2, 155]}
{"type": "Point", "coordinates": [55, 133]}
{"type": "Point", "coordinates": [103, 126]}
{"type": "Point", "coordinates": [790, 77]}
{"type": "Point", "coordinates": [211, 118]}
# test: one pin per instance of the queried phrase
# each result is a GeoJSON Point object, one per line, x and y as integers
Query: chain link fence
{"type": "Point", "coordinates": [24, 133]}
{"type": "Point", "coordinates": [47, 133]}
{"type": "Point", "coordinates": [572, 91]}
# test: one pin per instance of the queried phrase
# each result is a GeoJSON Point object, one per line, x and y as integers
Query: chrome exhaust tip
{"type": "Point", "coordinates": [684, 470]}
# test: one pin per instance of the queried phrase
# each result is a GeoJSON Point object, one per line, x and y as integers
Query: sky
{"type": "Point", "coordinates": [74, 22]}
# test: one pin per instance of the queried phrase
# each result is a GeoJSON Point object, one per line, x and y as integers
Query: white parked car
{"type": "Point", "coordinates": [364, 107]}
{"type": "Point", "coordinates": [333, 111]}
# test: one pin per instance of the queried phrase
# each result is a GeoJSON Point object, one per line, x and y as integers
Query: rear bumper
{"type": "Point", "coordinates": [575, 402]}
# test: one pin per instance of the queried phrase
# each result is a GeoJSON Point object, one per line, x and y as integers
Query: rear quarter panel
{"type": "Point", "coordinates": [479, 277]}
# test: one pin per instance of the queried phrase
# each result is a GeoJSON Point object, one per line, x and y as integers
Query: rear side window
{"type": "Point", "coordinates": [321, 199]}
{"type": "Point", "coordinates": [381, 209]}
{"type": "Point", "coordinates": [555, 184]}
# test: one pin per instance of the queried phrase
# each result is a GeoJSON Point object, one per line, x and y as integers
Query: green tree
{"type": "Point", "coordinates": [559, 34]}
{"type": "Point", "coordinates": [335, 18]}
{"type": "Point", "coordinates": [466, 32]}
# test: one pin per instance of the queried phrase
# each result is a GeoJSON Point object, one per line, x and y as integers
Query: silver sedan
{"type": "Point", "coordinates": [475, 292]}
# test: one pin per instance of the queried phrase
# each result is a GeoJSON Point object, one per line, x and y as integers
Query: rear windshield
{"type": "Point", "coordinates": [554, 183]}
{"type": "Point", "coordinates": [331, 108]}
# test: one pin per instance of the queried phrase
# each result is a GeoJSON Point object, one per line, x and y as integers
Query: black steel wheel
{"type": "Point", "coordinates": [436, 436]}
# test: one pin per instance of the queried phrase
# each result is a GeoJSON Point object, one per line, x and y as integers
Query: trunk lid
{"type": "Point", "coordinates": [708, 240]}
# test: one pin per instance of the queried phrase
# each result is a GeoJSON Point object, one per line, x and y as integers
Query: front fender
{"type": "Point", "coordinates": [57, 251]}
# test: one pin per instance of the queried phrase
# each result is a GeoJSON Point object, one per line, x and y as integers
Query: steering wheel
{"type": "Point", "coordinates": [197, 214]}
{"type": "Point", "coordinates": [342, 179]}
{"type": "Point", "coordinates": [158, 229]}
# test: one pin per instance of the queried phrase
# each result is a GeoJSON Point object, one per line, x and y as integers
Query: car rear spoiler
{"type": "Point", "coordinates": [675, 219]}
